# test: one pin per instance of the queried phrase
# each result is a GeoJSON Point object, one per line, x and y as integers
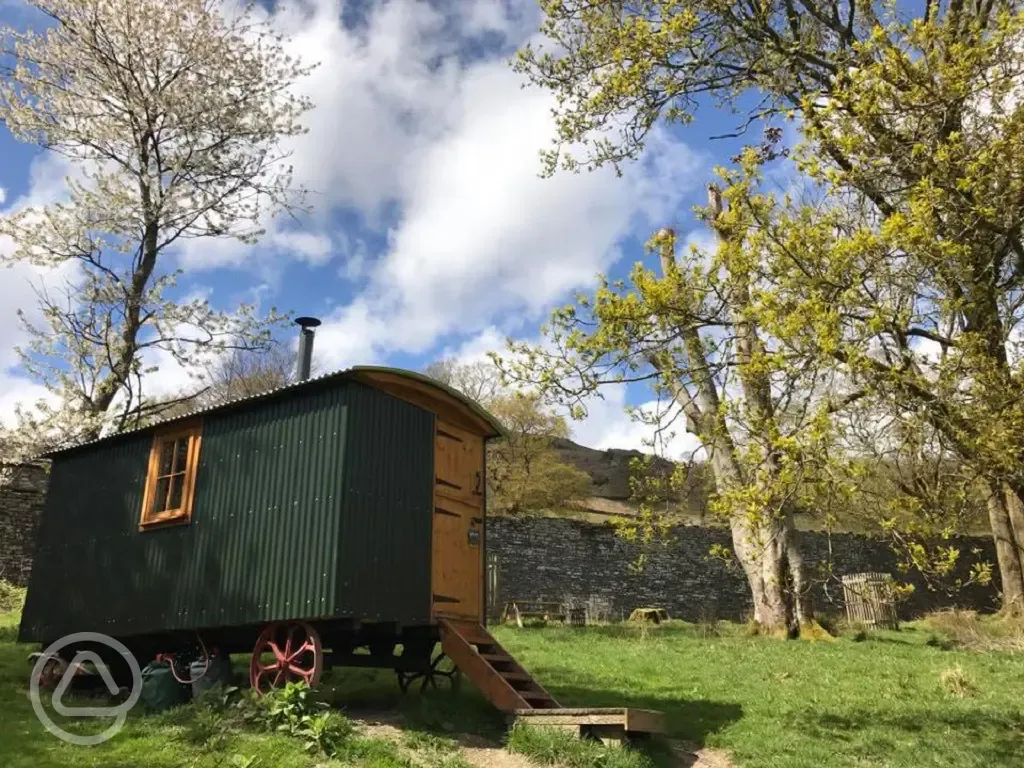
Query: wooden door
{"type": "Point", "coordinates": [458, 544]}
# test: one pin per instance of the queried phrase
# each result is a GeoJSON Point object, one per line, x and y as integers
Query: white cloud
{"type": "Point", "coordinates": [701, 239]}
{"type": "Point", "coordinates": [476, 349]}
{"type": "Point", "coordinates": [482, 237]}
{"type": "Point", "coordinates": [346, 337]}
{"type": "Point", "coordinates": [608, 425]}
{"type": "Point", "coordinates": [355, 257]}
{"type": "Point", "coordinates": [408, 128]}
{"type": "Point", "coordinates": [15, 390]}
{"type": "Point", "coordinates": [382, 93]}
{"type": "Point", "coordinates": [19, 283]}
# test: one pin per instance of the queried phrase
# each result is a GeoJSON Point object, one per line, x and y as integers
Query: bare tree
{"type": "Point", "coordinates": [479, 381]}
{"type": "Point", "coordinates": [237, 374]}
{"type": "Point", "coordinates": [245, 373]}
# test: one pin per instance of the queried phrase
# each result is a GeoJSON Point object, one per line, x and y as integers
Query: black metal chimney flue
{"type": "Point", "coordinates": [305, 361]}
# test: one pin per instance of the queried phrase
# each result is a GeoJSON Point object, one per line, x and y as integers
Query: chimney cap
{"type": "Point", "coordinates": [307, 322]}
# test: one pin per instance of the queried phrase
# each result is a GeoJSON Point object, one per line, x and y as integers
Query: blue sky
{"type": "Point", "coordinates": [432, 234]}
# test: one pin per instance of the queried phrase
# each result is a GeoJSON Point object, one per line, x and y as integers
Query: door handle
{"type": "Point", "coordinates": [479, 482]}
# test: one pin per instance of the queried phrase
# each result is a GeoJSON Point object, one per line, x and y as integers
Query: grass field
{"type": "Point", "coordinates": [771, 704]}
{"type": "Point", "coordinates": [891, 701]}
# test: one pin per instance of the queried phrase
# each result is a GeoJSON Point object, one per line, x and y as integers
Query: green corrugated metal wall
{"type": "Point", "coordinates": [313, 504]}
{"type": "Point", "coordinates": [385, 534]}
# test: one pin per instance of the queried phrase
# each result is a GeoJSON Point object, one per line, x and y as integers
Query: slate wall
{"type": "Point", "coordinates": [547, 558]}
{"type": "Point", "coordinates": [21, 505]}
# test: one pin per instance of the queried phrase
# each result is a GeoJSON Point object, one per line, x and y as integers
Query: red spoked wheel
{"type": "Point", "coordinates": [52, 673]}
{"type": "Point", "coordinates": [286, 652]}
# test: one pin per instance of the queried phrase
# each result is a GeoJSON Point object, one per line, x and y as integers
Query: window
{"type": "Point", "coordinates": [170, 482]}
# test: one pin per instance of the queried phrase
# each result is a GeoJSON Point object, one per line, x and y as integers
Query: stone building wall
{"type": "Point", "coordinates": [550, 558]}
{"type": "Point", "coordinates": [21, 505]}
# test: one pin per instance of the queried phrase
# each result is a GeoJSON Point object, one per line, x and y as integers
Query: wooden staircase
{"type": "Point", "coordinates": [491, 668]}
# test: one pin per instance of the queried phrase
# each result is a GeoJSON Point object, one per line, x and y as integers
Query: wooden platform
{"type": "Point", "coordinates": [613, 725]}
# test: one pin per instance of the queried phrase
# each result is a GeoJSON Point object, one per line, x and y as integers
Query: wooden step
{"type": "Point", "coordinates": [524, 686]}
{"type": "Point", "coordinates": [514, 675]}
{"type": "Point", "coordinates": [611, 725]}
{"type": "Point", "coordinates": [491, 668]}
{"type": "Point", "coordinates": [497, 658]}
{"type": "Point", "coordinates": [474, 633]}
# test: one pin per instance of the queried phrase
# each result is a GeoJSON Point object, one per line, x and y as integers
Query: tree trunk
{"type": "Point", "coordinates": [1005, 510]}
{"type": "Point", "coordinates": [1015, 510]}
{"type": "Point", "coordinates": [1008, 552]}
{"type": "Point", "coordinates": [761, 551]}
{"type": "Point", "coordinates": [773, 563]}
{"type": "Point", "coordinates": [800, 584]}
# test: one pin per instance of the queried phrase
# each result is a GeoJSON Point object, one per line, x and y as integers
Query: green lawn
{"type": "Point", "coordinates": [191, 737]}
{"type": "Point", "coordinates": [773, 704]}
{"type": "Point", "coordinates": [163, 741]}
{"type": "Point", "coordinates": [878, 703]}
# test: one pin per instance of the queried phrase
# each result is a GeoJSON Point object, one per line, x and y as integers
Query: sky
{"type": "Point", "coordinates": [432, 232]}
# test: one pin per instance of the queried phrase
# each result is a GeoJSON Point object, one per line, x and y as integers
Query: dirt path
{"type": "Point", "coordinates": [692, 756]}
{"type": "Point", "coordinates": [482, 753]}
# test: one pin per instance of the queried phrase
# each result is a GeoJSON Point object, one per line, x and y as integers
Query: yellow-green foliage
{"type": "Point", "coordinates": [523, 471]}
{"type": "Point", "coordinates": [901, 261]}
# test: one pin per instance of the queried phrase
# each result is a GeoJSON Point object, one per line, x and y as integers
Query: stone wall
{"type": "Point", "coordinates": [21, 504]}
{"type": "Point", "coordinates": [550, 558]}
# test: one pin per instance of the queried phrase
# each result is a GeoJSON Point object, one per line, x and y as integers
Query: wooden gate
{"type": "Point", "coordinates": [870, 600]}
{"type": "Point", "coordinates": [458, 523]}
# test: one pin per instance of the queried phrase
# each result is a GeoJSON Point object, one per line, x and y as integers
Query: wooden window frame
{"type": "Point", "coordinates": [181, 515]}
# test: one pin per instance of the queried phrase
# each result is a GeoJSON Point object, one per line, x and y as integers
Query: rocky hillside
{"type": "Point", "coordinates": [610, 473]}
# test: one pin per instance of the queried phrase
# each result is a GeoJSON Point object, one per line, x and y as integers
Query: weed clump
{"type": "Point", "coordinates": [956, 682]}
{"type": "Point", "coordinates": [12, 598]}
{"type": "Point", "coordinates": [968, 630]}
{"type": "Point", "coordinates": [942, 643]}
{"type": "Point", "coordinates": [707, 623]}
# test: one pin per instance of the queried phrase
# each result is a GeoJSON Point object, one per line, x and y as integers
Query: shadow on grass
{"type": "Point", "coordinates": [690, 719]}
{"type": "Point", "coordinates": [374, 693]}
{"type": "Point", "coordinates": [993, 738]}
{"type": "Point", "coordinates": [373, 697]}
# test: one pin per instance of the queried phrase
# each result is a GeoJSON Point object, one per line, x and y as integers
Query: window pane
{"type": "Point", "coordinates": [166, 457]}
{"type": "Point", "coordinates": [174, 498]}
{"type": "Point", "coordinates": [160, 497]}
{"type": "Point", "coordinates": [180, 454]}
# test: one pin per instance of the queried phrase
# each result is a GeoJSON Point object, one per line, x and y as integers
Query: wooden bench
{"type": "Point", "coordinates": [548, 610]}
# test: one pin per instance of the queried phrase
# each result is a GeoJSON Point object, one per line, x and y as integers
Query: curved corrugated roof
{"type": "Point", "coordinates": [476, 408]}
